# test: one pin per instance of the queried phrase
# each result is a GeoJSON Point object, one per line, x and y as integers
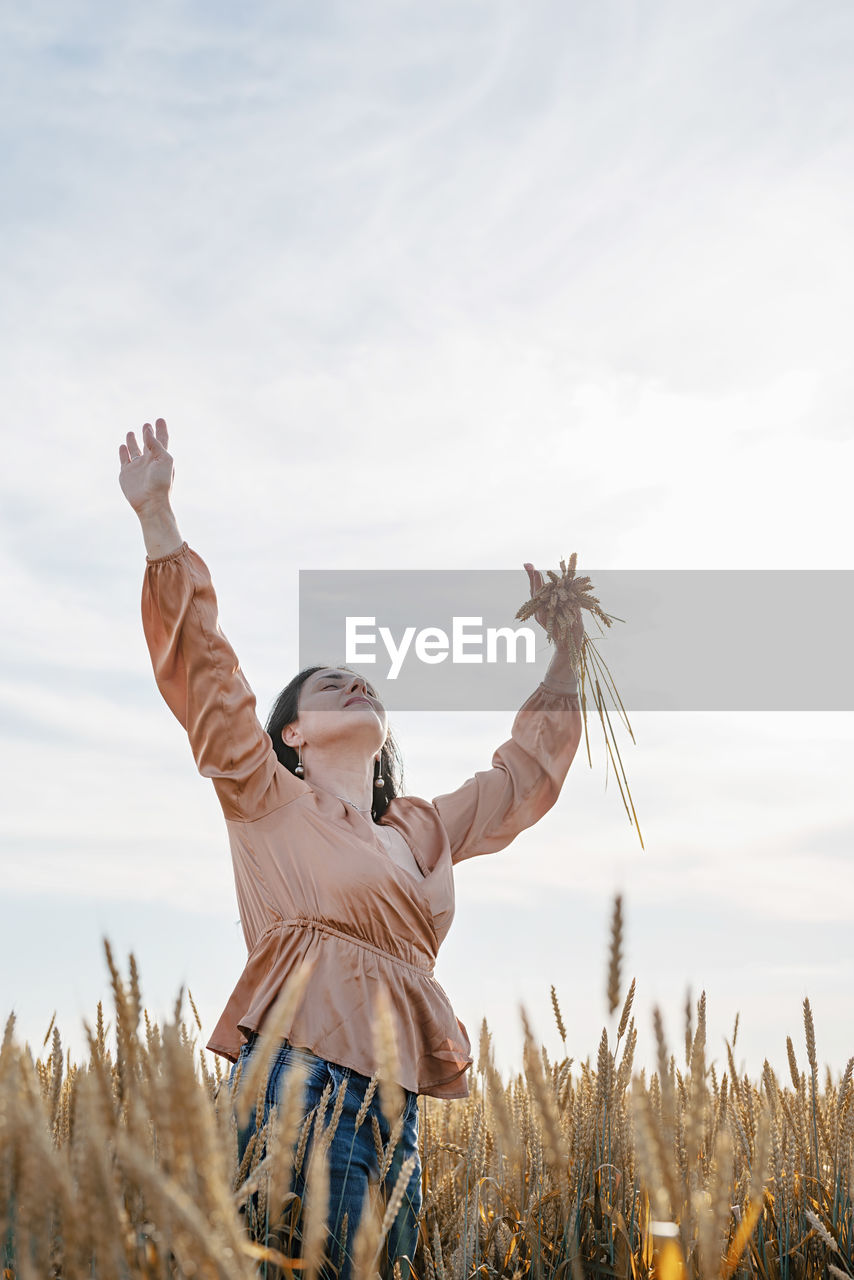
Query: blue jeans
{"type": "Point", "coordinates": [352, 1156]}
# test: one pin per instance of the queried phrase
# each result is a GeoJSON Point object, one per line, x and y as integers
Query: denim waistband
{"type": "Point", "coordinates": [348, 1071]}
{"type": "Point", "coordinates": [255, 1035]}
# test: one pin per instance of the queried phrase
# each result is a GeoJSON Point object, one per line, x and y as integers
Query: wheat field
{"type": "Point", "coordinates": [125, 1165]}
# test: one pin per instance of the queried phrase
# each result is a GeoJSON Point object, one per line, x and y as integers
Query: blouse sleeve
{"type": "Point", "coordinates": [527, 773]}
{"type": "Point", "coordinates": [198, 674]}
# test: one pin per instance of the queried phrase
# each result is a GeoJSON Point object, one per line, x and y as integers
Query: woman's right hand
{"type": "Point", "coordinates": [146, 473]}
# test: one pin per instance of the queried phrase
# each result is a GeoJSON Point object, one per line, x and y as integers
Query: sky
{"type": "Point", "coordinates": [429, 287]}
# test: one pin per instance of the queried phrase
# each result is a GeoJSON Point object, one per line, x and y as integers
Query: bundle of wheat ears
{"type": "Point", "coordinates": [558, 604]}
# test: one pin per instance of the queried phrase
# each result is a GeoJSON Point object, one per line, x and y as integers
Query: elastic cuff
{"type": "Point", "coordinates": [563, 693]}
{"type": "Point", "coordinates": [173, 555]}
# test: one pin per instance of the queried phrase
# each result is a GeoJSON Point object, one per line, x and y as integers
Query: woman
{"type": "Point", "coordinates": [331, 865]}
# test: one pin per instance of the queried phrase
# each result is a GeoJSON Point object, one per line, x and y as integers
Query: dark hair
{"type": "Point", "coordinates": [285, 711]}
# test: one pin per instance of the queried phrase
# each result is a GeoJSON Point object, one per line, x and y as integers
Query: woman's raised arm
{"type": "Point", "coordinates": [528, 771]}
{"type": "Point", "coordinates": [195, 667]}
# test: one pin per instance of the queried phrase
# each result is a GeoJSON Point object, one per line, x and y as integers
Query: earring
{"type": "Point", "coordinates": [299, 767]}
{"type": "Point", "coordinates": [379, 780]}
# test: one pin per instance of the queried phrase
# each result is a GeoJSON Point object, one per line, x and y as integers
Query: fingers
{"type": "Point", "coordinates": [151, 442]}
{"type": "Point", "coordinates": [535, 578]}
{"type": "Point", "coordinates": [155, 443]}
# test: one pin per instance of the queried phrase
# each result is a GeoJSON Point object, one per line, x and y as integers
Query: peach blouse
{"type": "Point", "coordinates": [312, 878]}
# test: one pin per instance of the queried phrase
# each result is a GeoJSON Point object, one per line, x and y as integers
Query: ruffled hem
{"type": "Point", "coordinates": [334, 1018]}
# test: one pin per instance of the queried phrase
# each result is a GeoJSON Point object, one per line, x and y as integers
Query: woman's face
{"type": "Point", "coordinates": [336, 704]}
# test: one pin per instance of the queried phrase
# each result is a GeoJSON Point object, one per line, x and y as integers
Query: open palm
{"type": "Point", "coordinates": [146, 473]}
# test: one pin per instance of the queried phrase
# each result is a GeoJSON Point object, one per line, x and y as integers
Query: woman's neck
{"type": "Point", "coordinates": [350, 781]}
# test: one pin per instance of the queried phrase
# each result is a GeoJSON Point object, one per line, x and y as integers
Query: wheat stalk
{"type": "Point", "coordinates": [270, 1039]}
{"type": "Point", "coordinates": [558, 605]}
{"type": "Point", "coordinates": [615, 955]}
{"type": "Point", "coordinates": [392, 1097]}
